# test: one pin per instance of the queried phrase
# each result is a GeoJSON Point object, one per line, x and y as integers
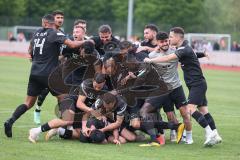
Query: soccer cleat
{"type": "Point", "coordinates": [33, 135]}
{"type": "Point", "coordinates": [180, 131]}
{"type": "Point", "coordinates": [37, 118]}
{"type": "Point", "coordinates": [210, 140]}
{"type": "Point", "coordinates": [51, 133]}
{"type": "Point", "coordinates": [151, 144]}
{"type": "Point", "coordinates": [189, 141]}
{"type": "Point", "coordinates": [161, 139]}
{"type": "Point", "coordinates": [218, 139]}
{"type": "Point", "coordinates": [8, 129]}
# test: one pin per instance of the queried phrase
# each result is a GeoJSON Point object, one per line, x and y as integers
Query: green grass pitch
{"type": "Point", "coordinates": [224, 104]}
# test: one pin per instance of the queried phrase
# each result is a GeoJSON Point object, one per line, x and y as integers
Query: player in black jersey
{"type": "Point", "coordinates": [195, 82]}
{"type": "Point", "coordinates": [44, 47]}
{"type": "Point", "coordinates": [112, 107]}
{"type": "Point", "coordinates": [58, 19]}
{"type": "Point", "coordinates": [149, 44]}
{"type": "Point", "coordinates": [72, 109]}
{"type": "Point", "coordinates": [104, 36]}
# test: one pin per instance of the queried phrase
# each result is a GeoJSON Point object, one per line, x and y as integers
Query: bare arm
{"type": "Point", "coordinates": [114, 125]}
{"type": "Point", "coordinates": [166, 58]}
{"type": "Point", "coordinates": [81, 105]}
{"type": "Point", "coordinates": [73, 44]}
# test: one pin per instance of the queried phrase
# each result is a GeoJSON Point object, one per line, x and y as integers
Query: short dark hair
{"type": "Point", "coordinates": [105, 29]}
{"type": "Point", "coordinates": [162, 36]}
{"type": "Point", "coordinates": [152, 27]}
{"type": "Point", "coordinates": [96, 136]}
{"type": "Point", "coordinates": [99, 78]}
{"type": "Point", "coordinates": [49, 18]}
{"type": "Point", "coordinates": [125, 44]}
{"type": "Point", "coordinates": [54, 13]}
{"type": "Point", "coordinates": [76, 22]}
{"type": "Point", "coordinates": [108, 98]}
{"type": "Point", "coordinates": [178, 30]}
{"type": "Point", "coordinates": [88, 46]}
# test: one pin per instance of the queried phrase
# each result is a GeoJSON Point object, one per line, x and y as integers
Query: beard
{"type": "Point", "coordinates": [164, 48]}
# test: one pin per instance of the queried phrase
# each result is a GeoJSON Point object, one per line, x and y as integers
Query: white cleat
{"type": "Point", "coordinates": [210, 140]}
{"type": "Point", "coordinates": [218, 139]}
{"type": "Point", "coordinates": [51, 133]}
{"type": "Point", "coordinates": [33, 135]}
{"type": "Point", "coordinates": [189, 141]}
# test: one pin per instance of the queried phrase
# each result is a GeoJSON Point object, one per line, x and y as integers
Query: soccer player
{"type": "Point", "coordinates": [58, 22]}
{"type": "Point", "coordinates": [112, 107]}
{"type": "Point", "coordinates": [44, 46]}
{"type": "Point", "coordinates": [104, 36]}
{"type": "Point", "coordinates": [89, 90]}
{"type": "Point", "coordinates": [149, 44]}
{"type": "Point", "coordinates": [58, 19]}
{"type": "Point", "coordinates": [195, 82]}
{"type": "Point", "coordinates": [168, 71]}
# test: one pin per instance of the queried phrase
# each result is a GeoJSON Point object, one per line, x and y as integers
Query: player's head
{"type": "Point", "coordinates": [105, 33]}
{"type": "Point", "coordinates": [162, 41]}
{"type": "Point", "coordinates": [110, 66]}
{"type": "Point", "coordinates": [109, 100]}
{"type": "Point", "coordinates": [150, 32]}
{"type": "Point", "coordinates": [58, 17]}
{"type": "Point", "coordinates": [99, 81]}
{"type": "Point", "coordinates": [176, 36]}
{"type": "Point", "coordinates": [97, 136]}
{"type": "Point", "coordinates": [78, 33]}
{"type": "Point", "coordinates": [48, 21]}
{"type": "Point", "coordinates": [80, 23]}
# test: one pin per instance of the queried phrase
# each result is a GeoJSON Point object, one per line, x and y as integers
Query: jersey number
{"type": "Point", "coordinates": [38, 43]}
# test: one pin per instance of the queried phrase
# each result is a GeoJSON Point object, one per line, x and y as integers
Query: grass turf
{"type": "Point", "coordinates": [223, 95]}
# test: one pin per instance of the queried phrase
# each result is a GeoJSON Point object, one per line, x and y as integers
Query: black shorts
{"type": "Point", "coordinates": [161, 102]}
{"type": "Point", "coordinates": [69, 103]}
{"type": "Point", "coordinates": [134, 112]}
{"type": "Point", "coordinates": [197, 95]}
{"type": "Point", "coordinates": [177, 96]}
{"type": "Point", "coordinates": [38, 83]}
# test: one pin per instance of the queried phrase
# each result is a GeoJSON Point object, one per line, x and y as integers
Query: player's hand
{"type": "Point", "coordinates": [147, 60]}
{"type": "Point", "coordinates": [86, 131]}
{"type": "Point", "coordinates": [29, 57]}
{"type": "Point", "coordinates": [117, 142]}
{"type": "Point", "coordinates": [206, 54]}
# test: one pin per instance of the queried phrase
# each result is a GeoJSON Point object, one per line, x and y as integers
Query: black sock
{"type": "Point", "coordinates": [210, 121]}
{"type": "Point", "coordinates": [45, 127]}
{"type": "Point", "coordinates": [37, 110]}
{"type": "Point", "coordinates": [164, 125]}
{"type": "Point", "coordinates": [67, 135]}
{"type": "Point", "coordinates": [20, 110]}
{"type": "Point", "coordinates": [200, 119]}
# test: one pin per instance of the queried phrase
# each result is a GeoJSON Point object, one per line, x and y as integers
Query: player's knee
{"type": "Point", "coordinates": [131, 138]}
{"type": "Point", "coordinates": [122, 140]}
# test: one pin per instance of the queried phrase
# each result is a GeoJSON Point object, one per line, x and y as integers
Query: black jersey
{"type": "Point", "coordinates": [46, 44]}
{"type": "Point", "coordinates": [190, 65]}
{"type": "Point", "coordinates": [99, 44]}
{"type": "Point", "coordinates": [87, 90]}
{"type": "Point", "coordinates": [148, 44]}
{"type": "Point", "coordinates": [119, 108]}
